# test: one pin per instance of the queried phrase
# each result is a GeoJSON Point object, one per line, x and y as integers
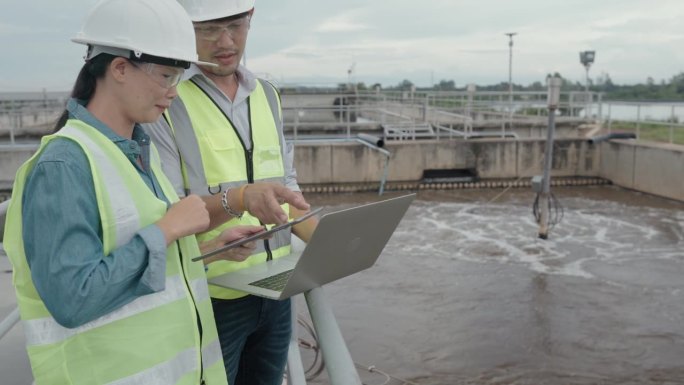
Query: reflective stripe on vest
{"type": "Point", "coordinates": [145, 339]}
{"type": "Point", "coordinates": [45, 331]}
{"type": "Point", "coordinates": [171, 371]}
{"type": "Point", "coordinates": [126, 219]}
{"type": "Point", "coordinates": [214, 159]}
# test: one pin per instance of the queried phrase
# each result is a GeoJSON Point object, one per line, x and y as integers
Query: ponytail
{"type": "Point", "coordinates": [84, 88]}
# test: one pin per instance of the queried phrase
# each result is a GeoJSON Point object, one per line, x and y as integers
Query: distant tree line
{"type": "Point", "coordinates": [665, 90]}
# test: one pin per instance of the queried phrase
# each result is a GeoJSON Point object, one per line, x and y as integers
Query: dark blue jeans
{"type": "Point", "coordinates": [255, 334]}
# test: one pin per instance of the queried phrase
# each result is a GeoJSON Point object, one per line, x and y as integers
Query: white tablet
{"type": "Point", "coordinates": [261, 235]}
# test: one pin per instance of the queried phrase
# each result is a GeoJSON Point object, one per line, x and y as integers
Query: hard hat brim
{"type": "Point", "coordinates": [95, 49]}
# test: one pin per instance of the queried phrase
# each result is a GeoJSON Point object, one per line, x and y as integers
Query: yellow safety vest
{"type": "Point", "coordinates": [215, 159]}
{"type": "Point", "coordinates": [154, 339]}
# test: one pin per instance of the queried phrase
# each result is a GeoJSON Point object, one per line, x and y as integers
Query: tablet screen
{"type": "Point", "coordinates": [261, 235]}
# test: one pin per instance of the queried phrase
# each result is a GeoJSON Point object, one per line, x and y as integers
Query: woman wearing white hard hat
{"type": "Point", "coordinates": [230, 105]}
{"type": "Point", "coordinates": [99, 242]}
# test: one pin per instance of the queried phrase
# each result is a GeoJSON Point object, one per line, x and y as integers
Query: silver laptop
{"type": "Point", "coordinates": [344, 242]}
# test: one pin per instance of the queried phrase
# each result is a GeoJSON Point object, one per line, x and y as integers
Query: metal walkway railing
{"type": "Point", "coordinates": [656, 121]}
{"type": "Point", "coordinates": [8, 323]}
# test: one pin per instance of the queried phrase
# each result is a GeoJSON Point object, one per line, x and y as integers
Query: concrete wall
{"type": "Point", "coordinates": [649, 167]}
{"type": "Point", "coordinates": [492, 158]}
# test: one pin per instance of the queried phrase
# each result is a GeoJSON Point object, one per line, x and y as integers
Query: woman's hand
{"type": "Point", "coordinates": [185, 217]}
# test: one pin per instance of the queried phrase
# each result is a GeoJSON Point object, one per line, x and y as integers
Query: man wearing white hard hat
{"type": "Point", "coordinates": [222, 139]}
{"type": "Point", "coordinates": [100, 244]}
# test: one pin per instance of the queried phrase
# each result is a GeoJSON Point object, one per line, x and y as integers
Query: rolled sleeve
{"type": "Point", "coordinates": [154, 276]}
{"type": "Point", "coordinates": [62, 235]}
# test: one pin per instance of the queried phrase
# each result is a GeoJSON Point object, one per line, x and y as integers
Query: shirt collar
{"type": "Point", "coordinates": [245, 77]}
{"type": "Point", "coordinates": [77, 110]}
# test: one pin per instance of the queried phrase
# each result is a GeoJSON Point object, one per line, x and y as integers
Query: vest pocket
{"type": "Point", "coordinates": [269, 161]}
{"type": "Point", "coordinates": [220, 140]}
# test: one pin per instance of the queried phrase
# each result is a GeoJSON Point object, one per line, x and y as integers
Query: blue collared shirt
{"type": "Point", "coordinates": [63, 236]}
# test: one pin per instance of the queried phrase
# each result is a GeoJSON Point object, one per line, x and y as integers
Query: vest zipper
{"type": "Point", "coordinates": [194, 305]}
{"type": "Point", "coordinates": [249, 153]}
{"type": "Point", "coordinates": [249, 158]}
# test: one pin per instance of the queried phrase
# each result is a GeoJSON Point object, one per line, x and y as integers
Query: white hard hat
{"type": "Point", "coordinates": [204, 10]}
{"type": "Point", "coordinates": [157, 31]}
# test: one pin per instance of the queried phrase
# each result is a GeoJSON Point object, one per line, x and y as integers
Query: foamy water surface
{"type": "Point", "coordinates": [465, 293]}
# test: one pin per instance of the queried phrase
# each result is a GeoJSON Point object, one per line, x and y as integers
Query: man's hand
{"type": "Point", "coordinates": [263, 201]}
{"type": "Point", "coordinates": [237, 254]}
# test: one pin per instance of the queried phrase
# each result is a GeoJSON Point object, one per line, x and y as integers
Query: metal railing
{"type": "Point", "coordinates": [8, 323]}
{"type": "Point", "coordinates": [655, 121]}
{"type": "Point", "coordinates": [344, 114]}
{"type": "Point", "coordinates": [451, 114]}
{"type": "Point", "coordinates": [22, 117]}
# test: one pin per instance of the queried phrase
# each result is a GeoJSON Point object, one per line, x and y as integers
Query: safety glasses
{"type": "Point", "coordinates": [213, 32]}
{"type": "Point", "coordinates": [164, 76]}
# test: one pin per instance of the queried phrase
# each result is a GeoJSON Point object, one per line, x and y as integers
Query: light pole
{"type": "Point", "coordinates": [587, 59]}
{"type": "Point", "coordinates": [510, 79]}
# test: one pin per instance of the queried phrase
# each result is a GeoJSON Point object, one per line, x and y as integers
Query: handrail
{"type": "Point", "coordinates": [375, 145]}
{"type": "Point", "coordinates": [671, 121]}
{"type": "Point", "coordinates": [8, 323]}
{"type": "Point", "coordinates": [338, 361]}
{"type": "Point", "coordinates": [364, 140]}
{"type": "Point", "coordinates": [3, 211]}
{"type": "Point", "coordinates": [12, 319]}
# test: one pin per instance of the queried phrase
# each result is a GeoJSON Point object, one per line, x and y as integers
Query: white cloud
{"type": "Point", "coordinates": [10, 30]}
{"type": "Point", "coordinates": [392, 40]}
{"type": "Point", "coordinates": [341, 24]}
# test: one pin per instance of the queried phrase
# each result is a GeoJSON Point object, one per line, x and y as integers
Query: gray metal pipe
{"type": "Point", "coordinates": [338, 361]}
{"type": "Point", "coordinates": [612, 135]}
{"type": "Point", "coordinates": [372, 139]}
{"type": "Point", "coordinates": [544, 205]}
{"type": "Point", "coordinates": [295, 368]}
{"type": "Point", "coordinates": [7, 324]}
{"type": "Point", "coordinates": [387, 159]}
{"type": "Point", "coordinates": [3, 215]}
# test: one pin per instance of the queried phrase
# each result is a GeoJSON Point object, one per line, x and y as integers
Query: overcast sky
{"type": "Point", "coordinates": [387, 41]}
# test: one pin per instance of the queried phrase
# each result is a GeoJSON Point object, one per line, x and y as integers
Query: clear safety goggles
{"type": "Point", "coordinates": [213, 32]}
{"type": "Point", "coordinates": [165, 76]}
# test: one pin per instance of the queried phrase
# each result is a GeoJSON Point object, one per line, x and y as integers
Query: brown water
{"type": "Point", "coordinates": [465, 293]}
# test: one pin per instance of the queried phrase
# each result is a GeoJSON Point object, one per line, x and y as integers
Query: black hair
{"type": "Point", "coordinates": [84, 88]}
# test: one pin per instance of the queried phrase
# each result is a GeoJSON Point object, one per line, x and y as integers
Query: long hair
{"type": "Point", "coordinates": [84, 88]}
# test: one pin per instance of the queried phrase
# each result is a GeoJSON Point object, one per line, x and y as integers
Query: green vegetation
{"type": "Point", "coordinates": [651, 131]}
{"type": "Point", "coordinates": [665, 90]}
{"type": "Point", "coordinates": [650, 90]}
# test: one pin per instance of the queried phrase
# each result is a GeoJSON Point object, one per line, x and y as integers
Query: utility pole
{"type": "Point", "coordinates": [510, 81]}
{"type": "Point", "coordinates": [553, 99]}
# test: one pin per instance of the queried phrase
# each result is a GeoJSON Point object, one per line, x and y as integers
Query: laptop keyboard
{"type": "Point", "coordinates": [275, 282]}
